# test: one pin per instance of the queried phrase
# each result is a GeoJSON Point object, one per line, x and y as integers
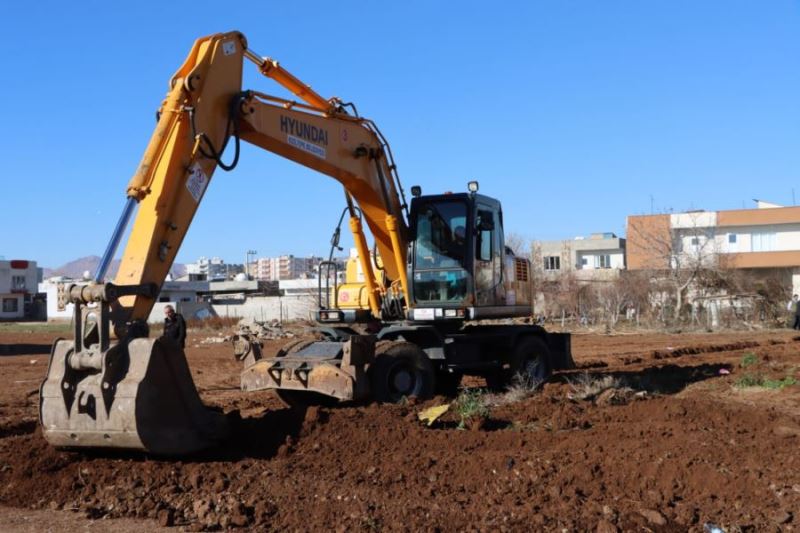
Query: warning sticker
{"type": "Point", "coordinates": [197, 182]}
{"type": "Point", "coordinates": [229, 47]}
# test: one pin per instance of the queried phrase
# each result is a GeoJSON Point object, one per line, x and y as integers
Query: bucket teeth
{"type": "Point", "coordinates": [142, 398]}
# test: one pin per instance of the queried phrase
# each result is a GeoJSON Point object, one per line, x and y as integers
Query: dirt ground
{"type": "Point", "coordinates": [678, 443]}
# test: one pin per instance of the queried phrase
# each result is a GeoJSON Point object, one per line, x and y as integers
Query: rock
{"type": "Point", "coordinates": [609, 513]}
{"type": "Point", "coordinates": [782, 517]}
{"type": "Point", "coordinates": [604, 526]}
{"type": "Point", "coordinates": [220, 485]}
{"type": "Point", "coordinates": [786, 431]}
{"type": "Point", "coordinates": [195, 480]}
{"type": "Point", "coordinates": [240, 520]}
{"type": "Point", "coordinates": [202, 509]}
{"type": "Point", "coordinates": [653, 517]}
{"type": "Point", "coordinates": [166, 518]}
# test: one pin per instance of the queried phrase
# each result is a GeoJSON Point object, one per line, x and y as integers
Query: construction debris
{"type": "Point", "coordinates": [262, 330]}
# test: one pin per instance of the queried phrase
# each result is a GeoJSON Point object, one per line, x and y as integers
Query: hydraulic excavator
{"type": "Point", "coordinates": [415, 312]}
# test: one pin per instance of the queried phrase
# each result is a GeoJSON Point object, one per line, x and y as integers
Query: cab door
{"type": "Point", "coordinates": [488, 261]}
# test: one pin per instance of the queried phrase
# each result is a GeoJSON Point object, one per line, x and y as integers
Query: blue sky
{"type": "Point", "coordinates": [573, 113]}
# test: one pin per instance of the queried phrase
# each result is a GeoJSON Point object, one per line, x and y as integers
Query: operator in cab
{"type": "Point", "coordinates": [174, 326]}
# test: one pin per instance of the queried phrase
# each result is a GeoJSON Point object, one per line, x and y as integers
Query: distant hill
{"type": "Point", "coordinates": [76, 268]}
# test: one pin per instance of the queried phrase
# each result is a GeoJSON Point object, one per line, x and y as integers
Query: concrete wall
{"type": "Point", "coordinates": [189, 310]}
{"type": "Point", "coordinates": [700, 219]}
{"type": "Point", "coordinates": [574, 253]}
{"type": "Point", "coordinates": [617, 258]}
{"type": "Point", "coordinates": [263, 308]}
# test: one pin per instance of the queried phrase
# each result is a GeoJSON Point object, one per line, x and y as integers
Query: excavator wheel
{"type": "Point", "coordinates": [295, 399]}
{"type": "Point", "coordinates": [401, 370]}
{"type": "Point", "coordinates": [529, 362]}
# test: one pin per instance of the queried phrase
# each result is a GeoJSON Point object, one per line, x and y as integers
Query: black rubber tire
{"type": "Point", "coordinates": [530, 359]}
{"type": "Point", "coordinates": [401, 370]}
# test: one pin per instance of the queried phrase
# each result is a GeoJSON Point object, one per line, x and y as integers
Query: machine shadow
{"type": "Point", "coordinates": [667, 379]}
{"type": "Point", "coordinates": [263, 437]}
{"type": "Point", "coordinates": [25, 349]}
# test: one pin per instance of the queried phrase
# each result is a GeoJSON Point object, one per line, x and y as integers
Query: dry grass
{"type": "Point", "coordinates": [521, 388]}
{"type": "Point", "coordinates": [214, 323]}
{"type": "Point", "coordinates": [589, 387]}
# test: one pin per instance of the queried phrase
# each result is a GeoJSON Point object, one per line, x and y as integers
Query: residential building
{"type": "Point", "coordinates": [598, 257]}
{"type": "Point", "coordinates": [49, 287]}
{"type": "Point", "coordinates": [19, 280]}
{"type": "Point", "coordinates": [760, 239]}
{"type": "Point", "coordinates": [182, 291]}
{"type": "Point", "coordinates": [286, 267]}
{"type": "Point", "coordinates": [214, 269]}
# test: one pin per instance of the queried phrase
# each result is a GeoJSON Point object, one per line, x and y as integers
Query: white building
{"type": "Point", "coordinates": [762, 239]}
{"type": "Point", "coordinates": [286, 267]}
{"type": "Point", "coordinates": [18, 285]}
{"type": "Point", "coordinates": [214, 269]}
{"type": "Point", "coordinates": [598, 257]}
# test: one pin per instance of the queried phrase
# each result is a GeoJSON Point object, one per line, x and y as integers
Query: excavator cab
{"type": "Point", "coordinates": [460, 267]}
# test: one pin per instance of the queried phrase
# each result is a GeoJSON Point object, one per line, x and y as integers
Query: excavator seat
{"type": "Point", "coordinates": [137, 396]}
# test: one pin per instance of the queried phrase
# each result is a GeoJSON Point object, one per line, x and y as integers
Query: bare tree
{"type": "Point", "coordinates": [521, 245]}
{"type": "Point", "coordinates": [678, 256]}
{"type": "Point", "coordinates": [613, 298]}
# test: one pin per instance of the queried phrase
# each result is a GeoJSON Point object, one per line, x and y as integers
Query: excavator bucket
{"type": "Point", "coordinates": [137, 396]}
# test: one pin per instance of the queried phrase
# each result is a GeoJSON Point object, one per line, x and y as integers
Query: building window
{"type": "Point", "coordinates": [584, 262]}
{"type": "Point", "coordinates": [763, 242]}
{"type": "Point", "coordinates": [10, 305]}
{"type": "Point", "coordinates": [602, 261]}
{"type": "Point", "coordinates": [17, 283]}
{"type": "Point", "coordinates": [695, 241]}
{"type": "Point", "coordinates": [731, 238]}
{"type": "Point", "coordinates": [552, 262]}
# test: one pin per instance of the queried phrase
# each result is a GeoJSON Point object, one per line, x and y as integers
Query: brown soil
{"type": "Point", "coordinates": [683, 448]}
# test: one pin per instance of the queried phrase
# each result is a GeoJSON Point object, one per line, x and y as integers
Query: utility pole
{"type": "Point", "coordinates": [247, 262]}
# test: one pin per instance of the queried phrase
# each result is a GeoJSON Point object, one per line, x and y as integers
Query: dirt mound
{"type": "Point", "coordinates": [694, 450]}
{"type": "Point", "coordinates": [546, 463]}
{"type": "Point", "coordinates": [694, 350]}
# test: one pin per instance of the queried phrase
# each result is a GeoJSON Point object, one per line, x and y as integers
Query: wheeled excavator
{"type": "Point", "coordinates": [429, 302]}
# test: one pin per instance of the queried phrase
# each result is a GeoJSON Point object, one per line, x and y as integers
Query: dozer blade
{"type": "Point", "coordinates": [142, 398]}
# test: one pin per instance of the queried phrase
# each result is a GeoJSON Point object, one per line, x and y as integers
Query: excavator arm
{"type": "Point", "coordinates": [204, 113]}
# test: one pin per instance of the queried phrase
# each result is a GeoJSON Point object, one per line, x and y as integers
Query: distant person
{"type": "Point", "coordinates": [794, 305]}
{"type": "Point", "coordinates": [174, 326]}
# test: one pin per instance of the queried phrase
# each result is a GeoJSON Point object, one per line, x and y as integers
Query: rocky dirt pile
{"type": "Point", "coordinates": [664, 463]}
{"type": "Point", "coordinates": [252, 329]}
{"type": "Point", "coordinates": [693, 449]}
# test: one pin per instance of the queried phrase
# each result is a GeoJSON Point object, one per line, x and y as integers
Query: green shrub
{"type": "Point", "coordinates": [779, 383]}
{"type": "Point", "coordinates": [749, 359]}
{"type": "Point", "coordinates": [471, 408]}
{"type": "Point", "coordinates": [749, 380]}
{"type": "Point", "coordinates": [756, 380]}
